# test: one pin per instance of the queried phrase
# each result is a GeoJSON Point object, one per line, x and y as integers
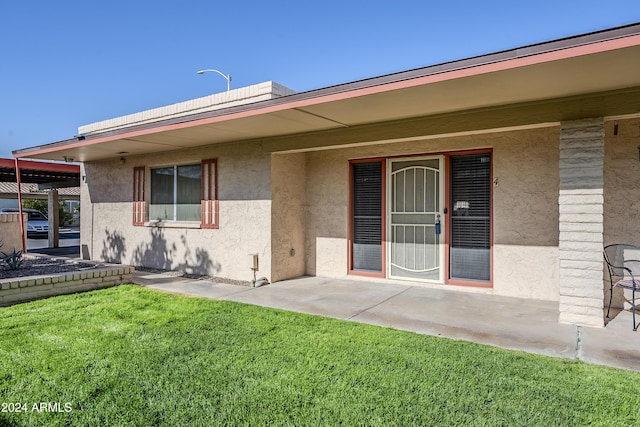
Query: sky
{"type": "Point", "coordinates": [68, 63]}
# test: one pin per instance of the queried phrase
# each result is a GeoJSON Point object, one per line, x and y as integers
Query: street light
{"type": "Point", "coordinates": [227, 77]}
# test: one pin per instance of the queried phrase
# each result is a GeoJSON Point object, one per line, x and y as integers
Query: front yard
{"type": "Point", "coordinates": [133, 356]}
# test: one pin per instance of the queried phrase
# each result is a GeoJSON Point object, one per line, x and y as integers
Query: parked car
{"type": "Point", "coordinates": [37, 222]}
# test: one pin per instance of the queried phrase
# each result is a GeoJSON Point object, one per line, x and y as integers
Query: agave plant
{"type": "Point", "coordinates": [11, 261]}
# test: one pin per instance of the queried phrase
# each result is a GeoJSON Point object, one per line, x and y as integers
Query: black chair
{"type": "Point", "coordinates": [623, 264]}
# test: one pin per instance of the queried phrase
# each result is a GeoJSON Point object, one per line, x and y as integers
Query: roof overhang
{"type": "Point", "coordinates": [602, 64]}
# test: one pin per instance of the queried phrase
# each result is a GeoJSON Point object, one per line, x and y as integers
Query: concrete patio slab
{"type": "Point", "coordinates": [616, 345]}
{"type": "Point", "coordinates": [315, 295]}
{"type": "Point", "coordinates": [487, 319]}
{"type": "Point", "coordinates": [513, 323]}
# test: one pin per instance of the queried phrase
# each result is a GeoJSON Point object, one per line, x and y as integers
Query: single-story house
{"type": "Point", "coordinates": [505, 173]}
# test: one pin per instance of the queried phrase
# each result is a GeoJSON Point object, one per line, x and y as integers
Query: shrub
{"type": "Point", "coordinates": [11, 261]}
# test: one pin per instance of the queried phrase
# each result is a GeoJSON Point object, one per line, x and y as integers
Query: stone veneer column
{"type": "Point", "coordinates": [581, 222]}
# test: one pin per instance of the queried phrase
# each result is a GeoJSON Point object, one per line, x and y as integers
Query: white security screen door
{"type": "Point", "coordinates": [416, 221]}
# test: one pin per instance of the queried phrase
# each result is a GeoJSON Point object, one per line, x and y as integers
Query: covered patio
{"type": "Point", "coordinates": [556, 124]}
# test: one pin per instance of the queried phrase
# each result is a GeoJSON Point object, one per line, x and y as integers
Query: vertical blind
{"type": "Point", "coordinates": [367, 216]}
{"type": "Point", "coordinates": [470, 246]}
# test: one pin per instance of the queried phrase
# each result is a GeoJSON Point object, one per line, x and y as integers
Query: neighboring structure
{"type": "Point", "coordinates": [38, 180]}
{"type": "Point", "coordinates": [69, 196]}
{"type": "Point", "coordinates": [505, 173]}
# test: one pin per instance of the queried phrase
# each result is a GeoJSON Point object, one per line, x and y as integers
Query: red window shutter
{"type": "Point", "coordinates": [209, 200]}
{"type": "Point", "coordinates": [139, 204]}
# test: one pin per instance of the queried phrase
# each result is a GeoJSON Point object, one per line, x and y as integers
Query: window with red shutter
{"type": "Point", "coordinates": [174, 194]}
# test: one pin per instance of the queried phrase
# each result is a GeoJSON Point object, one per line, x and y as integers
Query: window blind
{"type": "Point", "coordinates": [367, 216]}
{"type": "Point", "coordinates": [470, 244]}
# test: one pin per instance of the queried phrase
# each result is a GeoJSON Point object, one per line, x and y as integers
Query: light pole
{"type": "Point", "coordinates": [227, 76]}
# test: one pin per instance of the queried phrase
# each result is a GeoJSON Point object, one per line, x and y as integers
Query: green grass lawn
{"type": "Point", "coordinates": [133, 356]}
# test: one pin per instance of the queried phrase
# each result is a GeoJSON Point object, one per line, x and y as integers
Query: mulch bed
{"type": "Point", "coordinates": [194, 276]}
{"type": "Point", "coordinates": [42, 266]}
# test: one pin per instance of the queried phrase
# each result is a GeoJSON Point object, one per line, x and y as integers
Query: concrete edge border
{"type": "Point", "coordinates": [29, 288]}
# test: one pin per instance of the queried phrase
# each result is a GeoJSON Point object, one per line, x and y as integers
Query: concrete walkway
{"type": "Point", "coordinates": [511, 323]}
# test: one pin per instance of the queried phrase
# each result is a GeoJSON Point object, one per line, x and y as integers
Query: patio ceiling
{"type": "Point", "coordinates": [580, 66]}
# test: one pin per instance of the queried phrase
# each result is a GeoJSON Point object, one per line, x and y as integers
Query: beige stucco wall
{"type": "Point", "coordinates": [525, 202]}
{"type": "Point", "coordinates": [327, 208]}
{"type": "Point", "coordinates": [621, 190]}
{"type": "Point", "coordinates": [10, 235]}
{"type": "Point", "coordinates": [272, 203]}
{"type": "Point", "coordinates": [622, 183]}
{"type": "Point", "coordinates": [525, 197]}
{"type": "Point", "coordinates": [288, 179]}
{"type": "Point", "coordinates": [244, 177]}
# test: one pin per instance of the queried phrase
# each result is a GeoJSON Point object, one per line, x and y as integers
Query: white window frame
{"type": "Point", "coordinates": [175, 193]}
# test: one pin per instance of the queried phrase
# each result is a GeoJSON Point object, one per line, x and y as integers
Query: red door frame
{"type": "Point", "coordinates": [383, 272]}
{"type": "Point", "coordinates": [447, 205]}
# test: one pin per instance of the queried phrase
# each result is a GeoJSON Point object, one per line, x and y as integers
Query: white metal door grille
{"type": "Point", "coordinates": [415, 209]}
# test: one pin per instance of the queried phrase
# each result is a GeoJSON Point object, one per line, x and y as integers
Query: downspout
{"type": "Point", "coordinates": [24, 241]}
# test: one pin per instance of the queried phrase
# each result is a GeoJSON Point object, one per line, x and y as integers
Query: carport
{"type": "Point", "coordinates": [49, 176]}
